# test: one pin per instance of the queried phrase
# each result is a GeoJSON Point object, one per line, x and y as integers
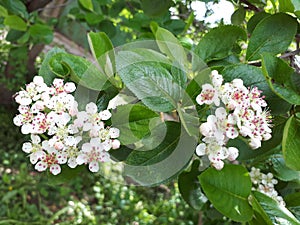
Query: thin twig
{"type": "Point", "coordinates": [200, 218]}
{"type": "Point", "coordinates": [250, 6]}
{"type": "Point", "coordinates": [53, 7]}
{"type": "Point", "coordinates": [288, 54]}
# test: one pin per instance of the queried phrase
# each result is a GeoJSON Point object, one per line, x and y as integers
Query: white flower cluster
{"type": "Point", "coordinates": [238, 111]}
{"type": "Point", "coordinates": [69, 136]}
{"type": "Point", "coordinates": [264, 183]}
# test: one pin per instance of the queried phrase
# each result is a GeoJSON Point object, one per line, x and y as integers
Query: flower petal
{"type": "Point", "coordinates": [41, 166]}
{"type": "Point", "coordinates": [27, 147]}
{"type": "Point", "coordinates": [55, 169]}
{"type": "Point", "coordinates": [94, 166]}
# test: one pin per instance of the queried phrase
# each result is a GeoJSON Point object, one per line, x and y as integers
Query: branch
{"type": "Point", "coordinates": [200, 218]}
{"type": "Point", "coordinates": [289, 54]}
{"type": "Point", "coordinates": [250, 6]}
{"type": "Point", "coordinates": [37, 4]}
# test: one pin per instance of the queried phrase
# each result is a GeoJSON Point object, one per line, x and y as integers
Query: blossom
{"type": "Point", "coordinates": [237, 110]}
{"type": "Point", "coordinates": [69, 137]}
{"type": "Point", "coordinates": [264, 183]}
{"type": "Point", "coordinates": [92, 153]}
{"type": "Point", "coordinates": [216, 153]}
{"type": "Point", "coordinates": [208, 95]}
{"type": "Point", "coordinates": [34, 148]}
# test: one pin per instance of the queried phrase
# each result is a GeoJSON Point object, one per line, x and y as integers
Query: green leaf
{"type": "Point", "coordinates": [15, 22]}
{"type": "Point", "coordinates": [102, 50]}
{"type": "Point", "coordinates": [87, 4]}
{"type": "Point", "coordinates": [273, 209]}
{"type": "Point", "coordinates": [190, 121]}
{"type": "Point", "coordinates": [286, 6]}
{"type": "Point", "coordinates": [16, 7]}
{"type": "Point", "coordinates": [292, 200]}
{"type": "Point", "coordinates": [259, 213]}
{"type": "Point", "coordinates": [14, 35]}
{"type": "Point", "coordinates": [45, 70]}
{"type": "Point", "coordinates": [278, 74]}
{"type": "Point", "coordinates": [169, 45]}
{"type": "Point", "coordinates": [151, 83]}
{"type": "Point", "coordinates": [253, 76]}
{"type": "Point", "coordinates": [41, 33]}
{"type": "Point", "coordinates": [228, 191]}
{"type": "Point", "coordinates": [189, 187]}
{"type": "Point", "coordinates": [143, 156]}
{"type": "Point", "coordinates": [93, 18]}
{"type": "Point", "coordinates": [291, 143]}
{"type": "Point", "coordinates": [238, 16]}
{"type": "Point", "coordinates": [134, 122]}
{"type": "Point", "coordinates": [264, 39]}
{"type": "Point", "coordinates": [156, 7]}
{"type": "Point", "coordinates": [218, 43]}
{"type": "Point", "coordinates": [79, 70]}
{"type": "Point", "coordinates": [24, 38]}
{"type": "Point", "coordinates": [282, 172]}
{"type": "Point", "coordinates": [255, 19]}
{"type": "Point", "coordinates": [168, 157]}
{"type": "Point", "coordinates": [3, 11]}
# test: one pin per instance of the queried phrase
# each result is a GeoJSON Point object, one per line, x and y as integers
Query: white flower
{"type": "Point", "coordinates": [115, 144]}
{"type": "Point", "coordinates": [92, 153]}
{"type": "Point", "coordinates": [264, 183]}
{"type": "Point", "coordinates": [34, 148]}
{"type": "Point", "coordinates": [105, 115]}
{"type": "Point", "coordinates": [233, 153]}
{"type": "Point", "coordinates": [114, 132]}
{"type": "Point", "coordinates": [23, 98]}
{"type": "Point", "coordinates": [208, 95]}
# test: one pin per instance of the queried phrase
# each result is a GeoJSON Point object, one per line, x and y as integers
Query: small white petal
{"type": "Point", "coordinates": [105, 114]}
{"type": "Point", "coordinates": [221, 113]}
{"type": "Point", "coordinates": [91, 108]}
{"type": "Point", "coordinates": [115, 144]}
{"type": "Point", "coordinates": [94, 166]}
{"type": "Point", "coordinates": [38, 80]}
{"type": "Point", "coordinates": [58, 82]}
{"type": "Point", "coordinates": [107, 145]}
{"type": "Point", "coordinates": [104, 157]}
{"type": "Point", "coordinates": [59, 145]}
{"type": "Point", "coordinates": [26, 129]}
{"type": "Point", "coordinates": [218, 165]}
{"type": "Point", "coordinates": [233, 153]}
{"type": "Point", "coordinates": [33, 158]}
{"type": "Point", "coordinates": [81, 159]}
{"type": "Point", "coordinates": [61, 158]}
{"type": "Point", "coordinates": [23, 109]}
{"type": "Point", "coordinates": [255, 143]}
{"type": "Point", "coordinates": [55, 169]}
{"type": "Point", "coordinates": [201, 149]}
{"type": "Point", "coordinates": [72, 162]}
{"type": "Point", "coordinates": [114, 132]}
{"type": "Point", "coordinates": [27, 147]}
{"type": "Point", "coordinates": [70, 141]}
{"type": "Point", "coordinates": [87, 126]}
{"type": "Point", "coordinates": [18, 120]}
{"type": "Point", "coordinates": [86, 147]}
{"type": "Point", "coordinates": [35, 139]}
{"type": "Point", "coordinates": [69, 87]}
{"type": "Point", "coordinates": [41, 166]}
